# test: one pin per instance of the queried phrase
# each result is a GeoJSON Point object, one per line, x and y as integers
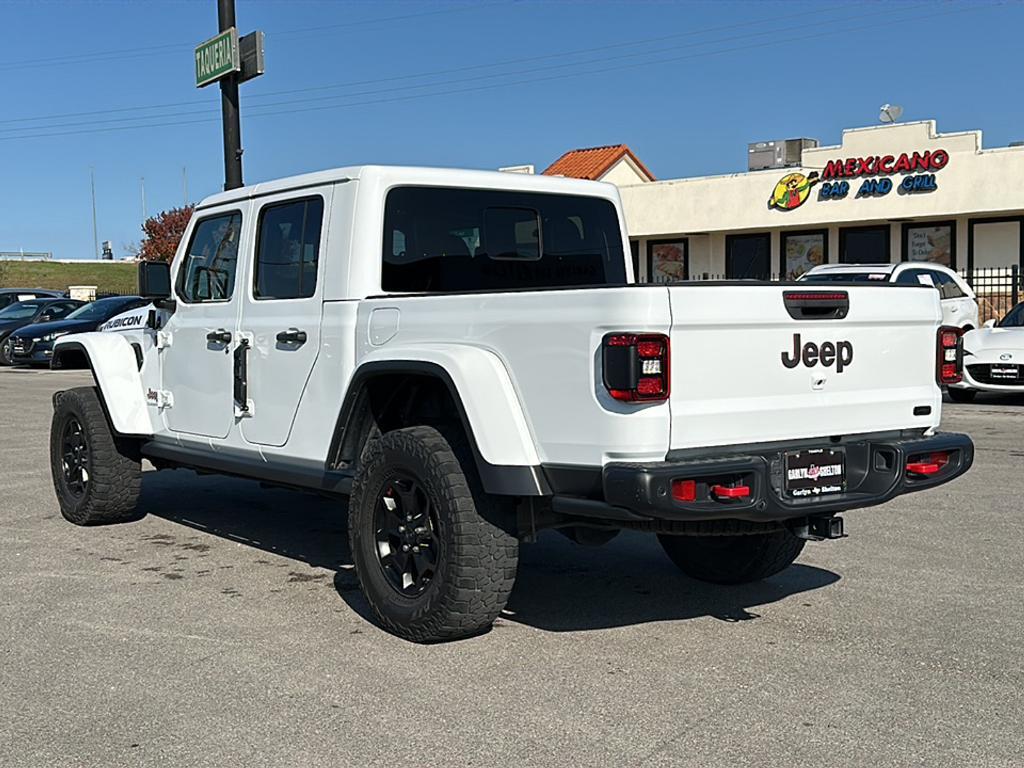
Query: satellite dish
{"type": "Point", "coordinates": [890, 113]}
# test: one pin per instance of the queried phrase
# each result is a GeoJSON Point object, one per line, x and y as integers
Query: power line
{"type": "Point", "coordinates": [491, 86]}
{"type": "Point", "coordinates": [411, 76]}
{"type": "Point", "coordinates": [143, 52]}
{"type": "Point", "coordinates": [645, 53]}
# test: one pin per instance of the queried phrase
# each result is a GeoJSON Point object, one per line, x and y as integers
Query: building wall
{"type": "Point", "coordinates": [624, 173]}
{"type": "Point", "coordinates": [974, 185]}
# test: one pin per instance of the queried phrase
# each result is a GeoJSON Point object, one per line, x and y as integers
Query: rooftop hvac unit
{"type": "Point", "coordinates": [782, 153]}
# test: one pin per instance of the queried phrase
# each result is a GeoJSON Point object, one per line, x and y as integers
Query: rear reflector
{"type": "Point", "coordinates": [636, 366]}
{"type": "Point", "coordinates": [949, 356]}
{"type": "Point", "coordinates": [730, 492]}
{"type": "Point", "coordinates": [684, 490]}
{"type": "Point", "coordinates": [928, 465]}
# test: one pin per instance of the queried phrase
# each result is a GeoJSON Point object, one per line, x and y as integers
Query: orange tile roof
{"type": "Point", "coordinates": [593, 162]}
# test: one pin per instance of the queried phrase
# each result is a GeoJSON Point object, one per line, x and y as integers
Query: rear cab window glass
{"type": "Point", "coordinates": [208, 270]}
{"type": "Point", "coordinates": [288, 249]}
{"type": "Point", "coordinates": [439, 239]}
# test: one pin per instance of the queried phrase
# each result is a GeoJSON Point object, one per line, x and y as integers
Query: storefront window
{"type": "Point", "coordinates": [935, 243]}
{"type": "Point", "coordinates": [864, 245]}
{"type": "Point", "coordinates": [748, 257]}
{"type": "Point", "coordinates": [667, 261]}
{"type": "Point", "coordinates": [801, 251]}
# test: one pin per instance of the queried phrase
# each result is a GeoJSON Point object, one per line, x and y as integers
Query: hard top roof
{"type": "Point", "coordinates": [392, 175]}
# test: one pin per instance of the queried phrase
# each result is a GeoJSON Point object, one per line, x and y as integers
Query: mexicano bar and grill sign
{"type": "Point", "coordinates": [877, 171]}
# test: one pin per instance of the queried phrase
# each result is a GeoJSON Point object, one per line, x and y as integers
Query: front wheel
{"type": "Point", "coordinates": [435, 556]}
{"type": "Point", "coordinates": [97, 474]}
{"type": "Point", "coordinates": [5, 351]}
{"type": "Point", "coordinates": [733, 559]}
{"type": "Point", "coordinates": [962, 395]}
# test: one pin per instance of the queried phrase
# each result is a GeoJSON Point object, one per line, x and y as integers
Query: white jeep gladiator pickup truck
{"type": "Point", "coordinates": [464, 356]}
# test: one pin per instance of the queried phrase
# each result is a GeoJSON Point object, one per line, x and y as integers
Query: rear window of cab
{"type": "Point", "coordinates": [440, 239]}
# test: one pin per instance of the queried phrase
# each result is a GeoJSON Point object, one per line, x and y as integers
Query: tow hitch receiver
{"type": "Point", "coordinates": [818, 528]}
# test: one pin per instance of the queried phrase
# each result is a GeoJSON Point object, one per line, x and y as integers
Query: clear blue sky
{"type": "Point", "coordinates": [685, 84]}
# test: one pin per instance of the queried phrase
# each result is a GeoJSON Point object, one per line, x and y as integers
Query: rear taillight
{"type": "Point", "coordinates": [948, 368]}
{"type": "Point", "coordinates": [636, 366]}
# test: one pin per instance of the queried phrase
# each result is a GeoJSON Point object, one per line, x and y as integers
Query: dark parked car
{"type": "Point", "coordinates": [33, 344]}
{"type": "Point", "coordinates": [10, 296]}
{"type": "Point", "coordinates": [23, 313]}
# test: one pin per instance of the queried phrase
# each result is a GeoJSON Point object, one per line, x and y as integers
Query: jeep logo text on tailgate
{"type": "Point", "coordinates": [839, 354]}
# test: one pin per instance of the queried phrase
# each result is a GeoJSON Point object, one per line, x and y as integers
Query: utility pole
{"type": "Point", "coordinates": [95, 235]}
{"type": "Point", "coordinates": [184, 186]}
{"type": "Point", "coordinates": [229, 107]}
{"type": "Point", "coordinates": [143, 183]}
{"type": "Point", "coordinates": [231, 60]}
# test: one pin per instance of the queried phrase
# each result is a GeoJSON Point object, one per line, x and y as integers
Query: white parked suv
{"type": "Point", "coordinates": [959, 304]}
{"type": "Point", "coordinates": [462, 354]}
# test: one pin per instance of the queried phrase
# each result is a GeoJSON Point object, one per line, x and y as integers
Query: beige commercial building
{"type": "Point", "coordinates": [885, 193]}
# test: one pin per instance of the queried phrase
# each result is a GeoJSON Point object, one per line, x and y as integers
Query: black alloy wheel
{"type": "Point", "coordinates": [405, 531]}
{"type": "Point", "coordinates": [75, 461]}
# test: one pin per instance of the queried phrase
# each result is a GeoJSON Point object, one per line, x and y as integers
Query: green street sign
{"type": "Point", "coordinates": [217, 57]}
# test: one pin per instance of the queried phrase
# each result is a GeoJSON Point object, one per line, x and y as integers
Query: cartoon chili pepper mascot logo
{"type": "Point", "coordinates": [792, 190]}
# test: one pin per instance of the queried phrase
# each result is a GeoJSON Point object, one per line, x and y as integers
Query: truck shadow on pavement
{"type": "Point", "coordinates": [561, 586]}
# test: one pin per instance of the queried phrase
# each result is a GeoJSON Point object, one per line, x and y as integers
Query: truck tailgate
{"type": "Point", "coordinates": [745, 371]}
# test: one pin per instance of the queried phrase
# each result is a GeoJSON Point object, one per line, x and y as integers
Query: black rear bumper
{"type": "Point", "coordinates": [875, 473]}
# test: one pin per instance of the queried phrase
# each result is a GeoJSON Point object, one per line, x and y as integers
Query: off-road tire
{"type": "Point", "coordinates": [732, 559]}
{"type": "Point", "coordinates": [478, 551]}
{"type": "Point", "coordinates": [113, 464]}
{"type": "Point", "coordinates": [962, 395]}
{"type": "Point", "coordinates": [5, 351]}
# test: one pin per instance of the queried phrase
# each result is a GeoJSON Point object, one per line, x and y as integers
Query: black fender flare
{"type": "Point", "coordinates": [498, 479]}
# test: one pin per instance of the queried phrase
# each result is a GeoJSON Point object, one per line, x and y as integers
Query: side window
{"type": "Point", "coordinates": [915, 277]}
{"type": "Point", "coordinates": [287, 249]}
{"type": "Point", "coordinates": [58, 310]}
{"type": "Point", "coordinates": [947, 286]}
{"type": "Point", "coordinates": [208, 272]}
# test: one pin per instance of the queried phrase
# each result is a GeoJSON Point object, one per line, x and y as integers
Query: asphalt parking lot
{"type": "Point", "coordinates": [225, 628]}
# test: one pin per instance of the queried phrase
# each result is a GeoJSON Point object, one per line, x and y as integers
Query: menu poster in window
{"type": "Point", "coordinates": [934, 244]}
{"type": "Point", "coordinates": [668, 262]}
{"type": "Point", "coordinates": [803, 252]}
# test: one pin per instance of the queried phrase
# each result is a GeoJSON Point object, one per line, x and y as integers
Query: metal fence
{"type": "Point", "coordinates": [998, 289]}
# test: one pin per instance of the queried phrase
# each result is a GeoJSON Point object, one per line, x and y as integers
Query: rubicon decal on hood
{"type": "Point", "coordinates": [828, 353]}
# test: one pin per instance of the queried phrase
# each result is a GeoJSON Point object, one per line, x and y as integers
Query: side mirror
{"type": "Point", "coordinates": [154, 279]}
{"type": "Point", "coordinates": [990, 324]}
{"type": "Point", "coordinates": [46, 317]}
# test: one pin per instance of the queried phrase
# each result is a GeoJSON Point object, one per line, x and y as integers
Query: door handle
{"type": "Point", "coordinates": [292, 336]}
{"type": "Point", "coordinates": [220, 336]}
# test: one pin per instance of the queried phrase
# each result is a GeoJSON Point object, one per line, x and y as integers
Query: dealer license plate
{"type": "Point", "coordinates": [817, 472]}
{"type": "Point", "coordinates": [1003, 372]}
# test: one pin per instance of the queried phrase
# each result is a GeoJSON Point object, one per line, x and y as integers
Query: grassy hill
{"type": "Point", "coordinates": [114, 277]}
